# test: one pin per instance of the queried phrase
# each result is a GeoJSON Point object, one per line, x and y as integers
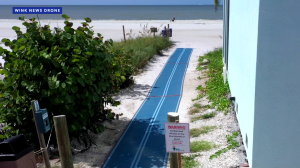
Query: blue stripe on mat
{"type": "Point", "coordinates": [143, 143]}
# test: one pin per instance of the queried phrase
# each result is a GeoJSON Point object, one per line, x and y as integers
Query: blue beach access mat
{"type": "Point", "coordinates": [143, 143]}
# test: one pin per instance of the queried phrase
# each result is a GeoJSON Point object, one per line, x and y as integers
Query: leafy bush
{"type": "Point", "coordinates": [69, 71]}
{"type": "Point", "coordinates": [215, 88]}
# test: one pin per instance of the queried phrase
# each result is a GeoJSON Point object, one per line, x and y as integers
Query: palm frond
{"type": "Point", "coordinates": [217, 2]}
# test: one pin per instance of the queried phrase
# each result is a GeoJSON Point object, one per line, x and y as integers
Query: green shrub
{"type": "Point", "coordinates": [143, 48]}
{"type": "Point", "coordinates": [199, 146]}
{"type": "Point", "coordinates": [190, 161]}
{"type": "Point", "coordinates": [195, 132]}
{"type": "Point", "coordinates": [232, 144]}
{"type": "Point", "coordinates": [69, 71]}
{"type": "Point", "coordinates": [215, 88]}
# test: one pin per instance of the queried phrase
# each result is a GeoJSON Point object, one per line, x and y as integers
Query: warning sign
{"type": "Point", "coordinates": [177, 137]}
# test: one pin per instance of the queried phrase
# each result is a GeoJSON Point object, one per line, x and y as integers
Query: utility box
{"type": "Point", "coordinates": [15, 152]}
{"type": "Point", "coordinates": [42, 120]}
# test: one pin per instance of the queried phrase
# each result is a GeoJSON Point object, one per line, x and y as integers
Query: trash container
{"type": "Point", "coordinates": [15, 152]}
{"type": "Point", "coordinates": [165, 33]}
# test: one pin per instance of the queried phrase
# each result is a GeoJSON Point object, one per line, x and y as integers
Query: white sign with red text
{"type": "Point", "coordinates": [177, 137]}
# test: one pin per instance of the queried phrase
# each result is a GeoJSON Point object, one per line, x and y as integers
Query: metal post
{"type": "Point", "coordinates": [41, 138]}
{"type": "Point", "coordinates": [63, 141]}
{"type": "Point", "coordinates": [124, 33]}
{"type": "Point", "coordinates": [172, 117]}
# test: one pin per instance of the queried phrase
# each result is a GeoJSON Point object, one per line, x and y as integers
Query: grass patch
{"type": "Point", "coordinates": [198, 97]}
{"type": "Point", "coordinates": [196, 108]}
{"type": "Point", "coordinates": [206, 106]}
{"type": "Point", "coordinates": [197, 105]}
{"type": "Point", "coordinates": [143, 48]}
{"type": "Point", "coordinates": [232, 144]}
{"type": "Point", "coordinates": [189, 161]}
{"type": "Point", "coordinates": [204, 116]}
{"type": "Point", "coordinates": [208, 115]}
{"type": "Point", "coordinates": [199, 146]}
{"type": "Point", "coordinates": [194, 111]}
{"type": "Point", "coordinates": [215, 87]}
{"type": "Point", "coordinates": [195, 132]}
{"type": "Point", "coordinates": [196, 118]}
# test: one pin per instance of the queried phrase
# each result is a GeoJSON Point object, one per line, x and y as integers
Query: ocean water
{"type": "Point", "coordinates": [125, 12]}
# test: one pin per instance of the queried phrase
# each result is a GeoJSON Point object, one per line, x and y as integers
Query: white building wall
{"type": "Point", "coordinates": [242, 52]}
{"type": "Point", "coordinates": [277, 102]}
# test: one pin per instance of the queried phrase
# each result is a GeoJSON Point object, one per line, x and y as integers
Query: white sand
{"type": "Point", "coordinates": [201, 35]}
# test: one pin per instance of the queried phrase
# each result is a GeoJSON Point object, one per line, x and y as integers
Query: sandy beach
{"type": "Point", "coordinates": [201, 35]}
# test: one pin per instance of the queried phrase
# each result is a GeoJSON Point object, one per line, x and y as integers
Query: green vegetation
{"type": "Point", "coordinates": [204, 116]}
{"type": "Point", "coordinates": [61, 70]}
{"type": "Point", "coordinates": [215, 87]}
{"type": "Point", "coordinates": [189, 161]}
{"type": "Point", "coordinates": [208, 115]}
{"type": "Point", "coordinates": [196, 118]}
{"type": "Point", "coordinates": [198, 97]}
{"type": "Point", "coordinates": [199, 146]}
{"type": "Point", "coordinates": [143, 48]}
{"type": "Point", "coordinates": [195, 132]}
{"type": "Point", "coordinates": [194, 111]}
{"type": "Point", "coordinates": [217, 2]}
{"type": "Point", "coordinates": [196, 108]}
{"type": "Point", "coordinates": [232, 144]}
{"type": "Point", "coordinates": [197, 105]}
{"type": "Point", "coordinates": [70, 71]}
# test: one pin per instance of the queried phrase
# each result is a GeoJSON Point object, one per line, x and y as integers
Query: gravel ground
{"type": "Point", "coordinates": [226, 125]}
{"type": "Point", "coordinates": [223, 122]}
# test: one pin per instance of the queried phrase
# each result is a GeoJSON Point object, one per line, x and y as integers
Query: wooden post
{"type": "Point", "coordinates": [168, 33]}
{"type": "Point", "coordinates": [41, 137]}
{"type": "Point", "coordinates": [63, 141]}
{"type": "Point", "coordinates": [179, 154]}
{"type": "Point", "coordinates": [172, 117]}
{"type": "Point", "coordinates": [124, 33]}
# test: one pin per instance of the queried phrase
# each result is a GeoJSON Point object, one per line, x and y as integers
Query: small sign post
{"type": "Point", "coordinates": [153, 30]}
{"type": "Point", "coordinates": [35, 107]}
{"type": "Point", "coordinates": [177, 137]}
